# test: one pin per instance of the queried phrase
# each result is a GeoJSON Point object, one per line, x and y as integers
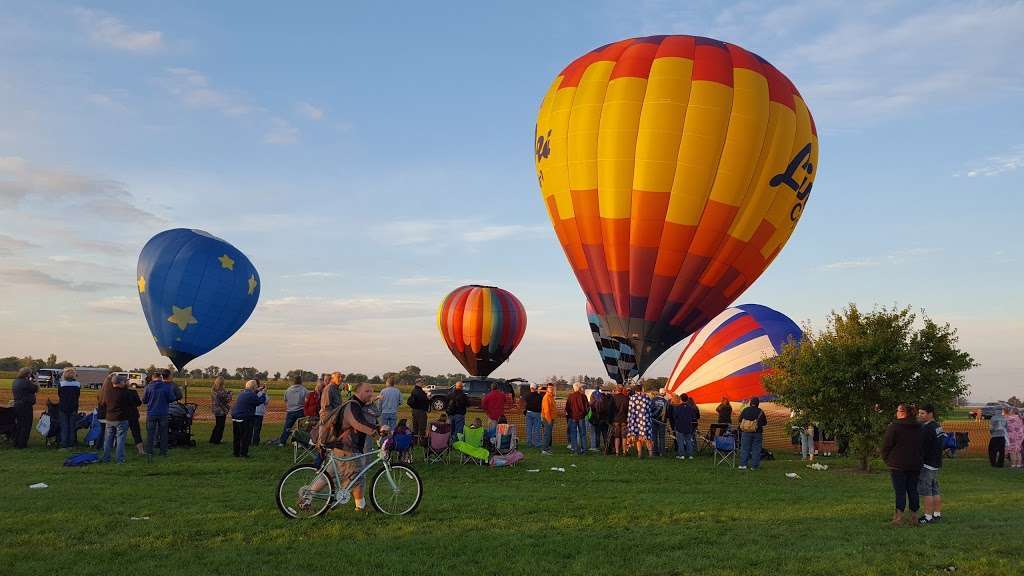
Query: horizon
{"type": "Point", "coordinates": [367, 178]}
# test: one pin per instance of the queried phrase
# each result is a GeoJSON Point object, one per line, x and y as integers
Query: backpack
{"type": "Point", "coordinates": [509, 459]}
{"type": "Point", "coordinates": [750, 425]}
{"type": "Point", "coordinates": [81, 459]}
{"type": "Point", "coordinates": [311, 407]}
{"type": "Point", "coordinates": [332, 435]}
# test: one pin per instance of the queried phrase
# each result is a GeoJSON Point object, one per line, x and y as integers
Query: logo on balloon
{"type": "Point", "coordinates": [802, 162]}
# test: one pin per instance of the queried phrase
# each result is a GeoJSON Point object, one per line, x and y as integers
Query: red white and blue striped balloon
{"type": "Point", "coordinates": [725, 357]}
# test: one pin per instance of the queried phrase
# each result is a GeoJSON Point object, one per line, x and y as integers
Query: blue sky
{"type": "Point", "coordinates": [369, 160]}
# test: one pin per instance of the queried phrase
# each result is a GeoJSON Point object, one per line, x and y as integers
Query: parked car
{"type": "Point", "coordinates": [475, 389]}
{"type": "Point", "coordinates": [134, 379]}
{"type": "Point", "coordinates": [48, 377]}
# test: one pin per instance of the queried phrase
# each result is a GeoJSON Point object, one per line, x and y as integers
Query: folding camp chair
{"type": "Point", "coordinates": [504, 441]}
{"type": "Point", "coordinates": [471, 446]}
{"type": "Point", "coordinates": [438, 443]}
{"type": "Point", "coordinates": [303, 442]}
{"type": "Point", "coordinates": [402, 446]}
{"type": "Point", "coordinates": [725, 450]}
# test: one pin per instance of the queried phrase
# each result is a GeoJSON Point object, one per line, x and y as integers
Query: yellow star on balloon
{"type": "Point", "coordinates": [252, 284]}
{"type": "Point", "coordinates": [142, 284]}
{"type": "Point", "coordinates": [182, 317]}
{"type": "Point", "coordinates": [226, 262]}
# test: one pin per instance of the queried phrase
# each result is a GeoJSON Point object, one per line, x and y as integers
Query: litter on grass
{"type": "Point", "coordinates": [140, 518]}
{"type": "Point", "coordinates": [792, 475]}
{"type": "Point", "coordinates": [817, 466]}
{"type": "Point", "coordinates": [534, 470]}
{"type": "Point", "coordinates": [558, 469]}
{"type": "Point", "coordinates": [39, 485]}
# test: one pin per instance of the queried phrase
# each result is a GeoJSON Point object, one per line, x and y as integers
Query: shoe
{"type": "Point", "coordinates": [923, 520]}
{"type": "Point", "coordinates": [546, 452]}
{"type": "Point", "coordinates": [897, 518]}
{"type": "Point", "coordinates": [936, 519]}
{"type": "Point", "coordinates": [691, 457]}
{"type": "Point", "coordinates": [680, 457]}
{"type": "Point", "coordinates": [913, 520]}
{"type": "Point", "coordinates": [742, 468]}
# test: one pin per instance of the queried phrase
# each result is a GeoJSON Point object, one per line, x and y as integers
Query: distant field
{"type": "Point", "coordinates": [212, 514]}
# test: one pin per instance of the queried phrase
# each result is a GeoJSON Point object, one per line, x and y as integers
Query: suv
{"type": "Point", "coordinates": [475, 389]}
{"type": "Point", "coordinates": [48, 377]}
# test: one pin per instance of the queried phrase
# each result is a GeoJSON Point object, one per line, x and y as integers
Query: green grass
{"type": "Point", "coordinates": [210, 513]}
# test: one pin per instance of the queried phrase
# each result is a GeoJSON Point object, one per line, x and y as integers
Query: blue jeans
{"type": "Point", "coordinates": [68, 429]}
{"type": "Point", "coordinates": [118, 429]}
{"type": "Point", "coordinates": [156, 425]}
{"type": "Point", "coordinates": [533, 437]}
{"type": "Point", "coordinates": [658, 428]}
{"type": "Point", "coordinates": [684, 444]}
{"type": "Point", "coordinates": [806, 444]}
{"type": "Point", "coordinates": [458, 424]}
{"type": "Point", "coordinates": [289, 421]}
{"type": "Point", "coordinates": [578, 435]}
{"type": "Point", "coordinates": [547, 427]}
{"type": "Point", "coordinates": [750, 448]}
{"type": "Point", "coordinates": [389, 419]}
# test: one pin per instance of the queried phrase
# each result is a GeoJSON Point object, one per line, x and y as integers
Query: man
{"type": "Point", "coordinates": [157, 398]}
{"type": "Point", "coordinates": [658, 406]}
{"type": "Point", "coordinates": [419, 403]}
{"type": "Point", "coordinates": [390, 400]}
{"type": "Point", "coordinates": [68, 393]}
{"type": "Point", "coordinates": [330, 398]}
{"type": "Point", "coordinates": [619, 412]}
{"type": "Point", "coordinates": [169, 379]}
{"type": "Point", "coordinates": [242, 417]}
{"type": "Point", "coordinates": [532, 401]}
{"type": "Point", "coordinates": [493, 404]}
{"type": "Point", "coordinates": [576, 408]}
{"type": "Point", "coordinates": [933, 442]}
{"type": "Point", "coordinates": [24, 391]}
{"type": "Point", "coordinates": [294, 405]}
{"type": "Point", "coordinates": [547, 417]}
{"type": "Point", "coordinates": [751, 442]}
{"type": "Point", "coordinates": [457, 405]}
{"type": "Point", "coordinates": [997, 438]}
{"type": "Point", "coordinates": [681, 415]}
{"type": "Point", "coordinates": [257, 417]}
{"type": "Point", "coordinates": [599, 420]}
{"type": "Point", "coordinates": [352, 429]}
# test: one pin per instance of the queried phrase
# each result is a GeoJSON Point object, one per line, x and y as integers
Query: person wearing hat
{"type": "Point", "coordinates": [659, 405]}
{"type": "Point", "coordinates": [419, 403]}
{"type": "Point", "coordinates": [24, 391]}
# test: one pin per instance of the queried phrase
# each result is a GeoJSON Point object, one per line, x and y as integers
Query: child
{"type": "Point", "coordinates": [403, 441]}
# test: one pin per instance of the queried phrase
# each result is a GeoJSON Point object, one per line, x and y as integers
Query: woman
{"type": "Point", "coordinates": [638, 422]}
{"type": "Point", "coordinates": [220, 403]}
{"type": "Point", "coordinates": [805, 434]}
{"type": "Point", "coordinates": [724, 410]}
{"type": "Point", "coordinates": [902, 452]}
{"type": "Point", "coordinates": [1014, 437]}
{"type": "Point", "coordinates": [24, 395]}
{"type": "Point", "coordinates": [116, 403]}
{"type": "Point", "coordinates": [68, 392]}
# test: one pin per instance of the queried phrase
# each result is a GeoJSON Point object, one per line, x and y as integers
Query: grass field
{"type": "Point", "coordinates": [210, 513]}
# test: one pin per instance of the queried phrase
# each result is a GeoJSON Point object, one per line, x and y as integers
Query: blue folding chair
{"type": "Point", "coordinates": [725, 450]}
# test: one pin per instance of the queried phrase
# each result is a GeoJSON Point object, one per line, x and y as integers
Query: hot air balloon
{"type": "Point", "coordinates": [196, 291]}
{"type": "Point", "coordinates": [481, 325]}
{"type": "Point", "coordinates": [616, 353]}
{"type": "Point", "coordinates": [673, 169]}
{"type": "Point", "coordinates": [725, 357]}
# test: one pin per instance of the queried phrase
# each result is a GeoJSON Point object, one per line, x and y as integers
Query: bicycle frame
{"type": "Point", "coordinates": [331, 461]}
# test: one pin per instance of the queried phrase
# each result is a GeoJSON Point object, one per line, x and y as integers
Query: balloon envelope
{"type": "Point", "coordinates": [481, 325]}
{"type": "Point", "coordinates": [196, 291]}
{"type": "Point", "coordinates": [616, 353]}
{"type": "Point", "coordinates": [725, 357]}
{"type": "Point", "coordinates": [673, 169]}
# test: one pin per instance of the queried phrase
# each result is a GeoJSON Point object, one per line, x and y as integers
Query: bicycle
{"type": "Point", "coordinates": [395, 490]}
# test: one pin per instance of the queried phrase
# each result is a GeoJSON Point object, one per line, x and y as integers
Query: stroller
{"type": "Point", "coordinates": [179, 424]}
{"type": "Point", "coordinates": [7, 423]}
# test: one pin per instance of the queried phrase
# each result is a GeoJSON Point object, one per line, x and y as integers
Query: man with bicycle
{"type": "Point", "coordinates": [345, 433]}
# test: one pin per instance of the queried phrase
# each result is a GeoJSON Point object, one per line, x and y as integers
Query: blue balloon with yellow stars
{"type": "Point", "coordinates": [196, 291]}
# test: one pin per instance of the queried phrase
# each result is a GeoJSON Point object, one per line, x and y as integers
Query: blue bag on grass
{"type": "Point", "coordinates": [81, 459]}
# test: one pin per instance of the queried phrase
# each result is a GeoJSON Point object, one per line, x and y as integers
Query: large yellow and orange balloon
{"type": "Point", "coordinates": [674, 169]}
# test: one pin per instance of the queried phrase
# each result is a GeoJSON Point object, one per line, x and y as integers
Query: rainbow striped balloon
{"type": "Point", "coordinates": [481, 325]}
{"type": "Point", "coordinates": [725, 357]}
{"type": "Point", "coordinates": [674, 169]}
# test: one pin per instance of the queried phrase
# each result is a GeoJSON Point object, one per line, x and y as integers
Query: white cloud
{"type": "Point", "coordinates": [193, 89]}
{"type": "Point", "coordinates": [440, 232]}
{"type": "Point", "coordinates": [341, 311]}
{"type": "Point", "coordinates": [120, 305]}
{"type": "Point", "coordinates": [852, 264]}
{"type": "Point", "coordinates": [106, 101]}
{"type": "Point", "coordinates": [309, 111]}
{"type": "Point", "coordinates": [281, 132]}
{"type": "Point", "coordinates": [110, 31]}
{"type": "Point", "coordinates": [313, 275]}
{"type": "Point", "coordinates": [40, 279]}
{"type": "Point", "coordinates": [895, 257]}
{"type": "Point", "coordinates": [22, 181]}
{"type": "Point", "coordinates": [10, 246]}
{"type": "Point", "coordinates": [995, 165]}
{"type": "Point", "coordinates": [423, 280]}
{"type": "Point", "coordinates": [488, 233]}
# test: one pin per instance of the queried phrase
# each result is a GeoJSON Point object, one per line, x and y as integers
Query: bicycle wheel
{"type": "Point", "coordinates": [296, 497]}
{"type": "Point", "coordinates": [400, 499]}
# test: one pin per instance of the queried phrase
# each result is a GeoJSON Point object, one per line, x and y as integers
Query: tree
{"type": "Point", "coordinates": [850, 377]}
{"type": "Point", "coordinates": [376, 380]}
{"type": "Point", "coordinates": [277, 375]}
{"type": "Point", "coordinates": [211, 372]}
{"type": "Point", "coordinates": [51, 360]}
{"type": "Point", "coordinates": [196, 373]}
{"type": "Point", "coordinates": [1014, 401]}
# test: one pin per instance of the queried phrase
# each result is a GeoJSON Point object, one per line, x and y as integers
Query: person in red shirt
{"type": "Point", "coordinates": [493, 404]}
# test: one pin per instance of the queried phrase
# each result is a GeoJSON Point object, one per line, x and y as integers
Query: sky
{"type": "Point", "coordinates": [370, 159]}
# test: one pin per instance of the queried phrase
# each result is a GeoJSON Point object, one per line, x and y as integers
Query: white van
{"type": "Point", "coordinates": [134, 379]}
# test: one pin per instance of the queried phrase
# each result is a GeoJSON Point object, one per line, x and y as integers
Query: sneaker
{"type": "Point", "coordinates": [546, 452]}
{"type": "Point", "coordinates": [691, 457]}
{"type": "Point", "coordinates": [680, 457]}
{"type": "Point", "coordinates": [936, 519]}
{"type": "Point", "coordinates": [923, 521]}
{"type": "Point", "coordinates": [742, 468]}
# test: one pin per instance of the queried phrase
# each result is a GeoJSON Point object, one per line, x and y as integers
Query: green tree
{"type": "Point", "coordinates": [195, 373]}
{"type": "Point", "coordinates": [850, 376]}
{"type": "Point", "coordinates": [1014, 401]}
{"type": "Point", "coordinates": [51, 360]}
{"type": "Point", "coordinates": [277, 375]}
